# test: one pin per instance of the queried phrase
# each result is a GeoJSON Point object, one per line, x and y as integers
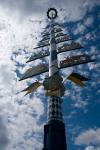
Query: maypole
{"type": "Point", "coordinates": [54, 130]}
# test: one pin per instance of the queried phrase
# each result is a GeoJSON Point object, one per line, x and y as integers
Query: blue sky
{"type": "Point", "coordinates": [22, 118]}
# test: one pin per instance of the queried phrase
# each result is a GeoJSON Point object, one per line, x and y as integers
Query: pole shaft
{"type": "Point", "coordinates": [54, 130]}
{"type": "Point", "coordinates": [54, 103]}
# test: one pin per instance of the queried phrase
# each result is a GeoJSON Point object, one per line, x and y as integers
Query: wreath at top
{"type": "Point", "coordinates": [52, 13]}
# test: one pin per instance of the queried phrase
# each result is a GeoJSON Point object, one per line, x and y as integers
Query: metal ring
{"type": "Point", "coordinates": [48, 13]}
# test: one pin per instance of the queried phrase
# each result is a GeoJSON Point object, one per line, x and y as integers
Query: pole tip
{"type": "Point", "coordinates": [52, 13]}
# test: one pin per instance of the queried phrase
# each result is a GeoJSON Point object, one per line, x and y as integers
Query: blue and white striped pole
{"type": "Point", "coordinates": [54, 103]}
{"type": "Point", "coordinates": [54, 130]}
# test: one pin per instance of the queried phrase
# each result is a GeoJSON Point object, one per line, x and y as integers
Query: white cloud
{"type": "Point", "coordinates": [31, 8]}
{"type": "Point", "coordinates": [88, 36]}
{"type": "Point", "coordinates": [21, 119]}
{"type": "Point", "coordinates": [3, 135]}
{"type": "Point", "coordinates": [80, 29]}
{"type": "Point", "coordinates": [92, 148]}
{"type": "Point", "coordinates": [87, 3]}
{"type": "Point", "coordinates": [80, 103]}
{"type": "Point", "coordinates": [89, 21]}
{"type": "Point", "coordinates": [91, 136]}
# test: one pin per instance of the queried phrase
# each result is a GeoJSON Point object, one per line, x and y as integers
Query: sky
{"type": "Point", "coordinates": [22, 118]}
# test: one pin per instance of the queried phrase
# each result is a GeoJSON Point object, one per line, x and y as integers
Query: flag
{"type": "Point", "coordinates": [76, 80]}
{"type": "Point", "coordinates": [32, 87]}
{"type": "Point", "coordinates": [80, 77]}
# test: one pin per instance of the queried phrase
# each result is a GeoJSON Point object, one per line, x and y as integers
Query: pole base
{"type": "Point", "coordinates": [54, 136]}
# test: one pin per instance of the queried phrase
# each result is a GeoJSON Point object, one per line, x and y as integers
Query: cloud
{"type": "Point", "coordinates": [22, 120]}
{"type": "Point", "coordinates": [21, 114]}
{"type": "Point", "coordinates": [92, 148]}
{"type": "Point", "coordinates": [91, 136]}
{"type": "Point", "coordinates": [89, 21]}
{"type": "Point", "coordinates": [23, 7]}
{"type": "Point", "coordinates": [32, 8]}
{"type": "Point", "coordinates": [3, 135]}
{"type": "Point", "coordinates": [80, 29]}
